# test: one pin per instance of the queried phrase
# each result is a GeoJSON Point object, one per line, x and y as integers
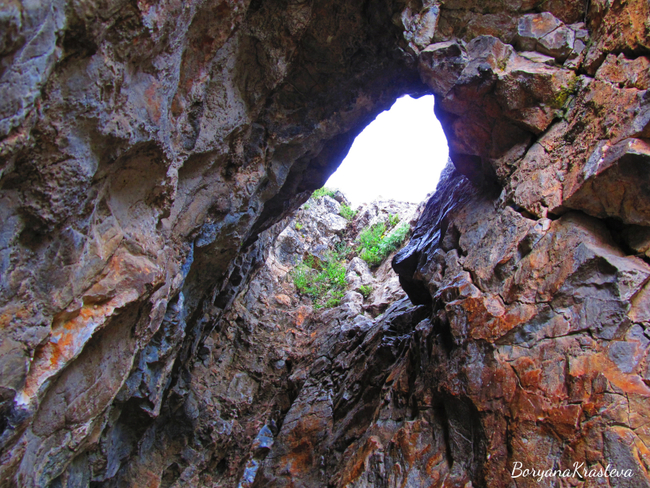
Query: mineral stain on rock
{"type": "Point", "coordinates": [154, 157]}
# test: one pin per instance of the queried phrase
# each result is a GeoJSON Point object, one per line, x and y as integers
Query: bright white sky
{"type": "Point", "coordinates": [398, 156]}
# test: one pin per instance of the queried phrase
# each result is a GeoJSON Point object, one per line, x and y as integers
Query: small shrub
{"type": "Point", "coordinates": [369, 240]}
{"type": "Point", "coordinates": [371, 236]}
{"type": "Point", "coordinates": [393, 220]}
{"type": "Point", "coordinates": [335, 301]}
{"type": "Point", "coordinates": [298, 226]}
{"type": "Point", "coordinates": [321, 280]}
{"type": "Point", "coordinates": [342, 249]}
{"type": "Point", "coordinates": [365, 290]}
{"type": "Point", "coordinates": [346, 212]}
{"type": "Point", "coordinates": [371, 256]}
{"type": "Point", "coordinates": [302, 280]}
{"type": "Point", "coordinates": [395, 239]}
{"type": "Point", "coordinates": [321, 192]}
{"type": "Point", "coordinates": [375, 245]}
{"type": "Point", "coordinates": [335, 272]}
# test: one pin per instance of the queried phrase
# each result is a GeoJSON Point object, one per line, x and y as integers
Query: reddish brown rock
{"type": "Point", "coordinates": [614, 183]}
{"type": "Point", "coordinates": [567, 11]}
{"type": "Point", "coordinates": [533, 28]}
{"type": "Point", "coordinates": [616, 28]}
{"type": "Point", "coordinates": [581, 332]}
{"type": "Point", "coordinates": [627, 73]}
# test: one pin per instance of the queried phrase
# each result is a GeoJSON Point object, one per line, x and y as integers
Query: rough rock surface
{"type": "Point", "coordinates": [148, 148]}
{"type": "Point", "coordinates": [258, 364]}
{"type": "Point", "coordinates": [540, 335]}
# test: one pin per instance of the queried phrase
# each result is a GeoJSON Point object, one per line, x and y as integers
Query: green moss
{"type": "Point", "coordinates": [563, 95]}
{"type": "Point", "coordinates": [298, 226]}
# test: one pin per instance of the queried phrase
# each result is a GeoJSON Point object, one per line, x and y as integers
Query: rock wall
{"type": "Point", "coordinates": [258, 373]}
{"type": "Point", "coordinates": [144, 148]}
{"type": "Point", "coordinates": [147, 149]}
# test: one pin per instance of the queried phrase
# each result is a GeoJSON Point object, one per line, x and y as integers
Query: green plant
{"type": "Point", "coordinates": [335, 272]}
{"type": "Point", "coordinates": [306, 206]}
{"type": "Point", "coordinates": [371, 236]}
{"type": "Point", "coordinates": [346, 212]}
{"type": "Point", "coordinates": [298, 226]}
{"type": "Point", "coordinates": [375, 245]}
{"type": "Point", "coordinates": [365, 290]}
{"type": "Point", "coordinates": [321, 192]}
{"type": "Point", "coordinates": [371, 256]}
{"type": "Point", "coordinates": [393, 220]}
{"type": "Point", "coordinates": [342, 249]}
{"type": "Point", "coordinates": [369, 240]}
{"type": "Point", "coordinates": [335, 300]}
{"type": "Point", "coordinates": [395, 239]}
{"type": "Point", "coordinates": [301, 278]}
{"type": "Point", "coordinates": [323, 280]}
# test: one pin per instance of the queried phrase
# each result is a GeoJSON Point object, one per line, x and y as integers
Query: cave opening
{"type": "Point", "coordinates": [398, 156]}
